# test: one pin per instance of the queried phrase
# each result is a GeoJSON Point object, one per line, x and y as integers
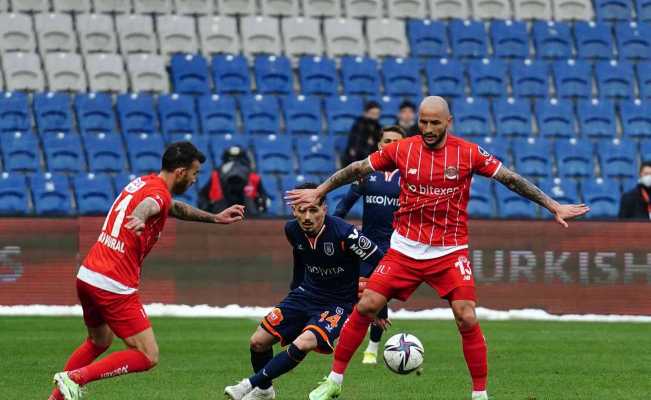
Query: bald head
{"type": "Point", "coordinates": [433, 120]}
{"type": "Point", "coordinates": [434, 105]}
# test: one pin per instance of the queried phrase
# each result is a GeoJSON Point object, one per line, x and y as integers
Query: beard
{"type": "Point", "coordinates": [439, 139]}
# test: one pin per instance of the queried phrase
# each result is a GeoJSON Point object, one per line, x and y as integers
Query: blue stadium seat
{"type": "Point", "coordinates": [273, 74]}
{"type": "Point", "coordinates": [553, 40]}
{"type": "Point", "coordinates": [95, 112]}
{"type": "Point", "coordinates": [94, 193]}
{"type": "Point", "coordinates": [645, 149]}
{"type": "Point", "coordinates": [341, 113]}
{"type": "Point", "coordinates": [274, 154]}
{"type": "Point", "coordinates": [20, 151]}
{"type": "Point", "coordinates": [597, 118]}
{"type": "Point", "coordinates": [512, 117]}
{"type": "Point", "coordinates": [51, 194]}
{"type": "Point", "coordinates": [189, 73]}
{"type": "Point", "coordinates": [318, 75]}
{"type": "Point", "coordinates": [634, 40]}
{"type": "Point", "coordinates": [360, 75]}
{"type": "Point", "coordinates": [636, 118]}
{"type": "Point", "coordinates": [63, 152]}
{"type": "Point", "coordinates": [618, 158]}
{"type": "Point", "coordinates": [532, 157]}
{"type": "Point", "coordinates": [231, 74]}
{"type": "Point", "coordinates": [628, 184]}
{"type": "Point", "coordinates": [390, 108]}
{"type": "Point", "coordinates": [468, 39]}
{"type": "Point", "coordinates": [337, 195]}
{"type": "Point", "coordinates": [53, 112]}
{"type": "Point", "coordinates": [105, 152]}
{"type": "Point", "coordinates": [14, 195]}
{"type": "Point", "coordinates": [218, 144]}
{"type": "Point", "coordinates": [471, 117]}
{"type": "Point", "coordinates": [615, 79]}
{"type": "Point", "coordinates": [276, 204]}
{"type": "Point", "coordinates": [488, 77]}
{"type": "Point", "coordinates": [136, 113]}
{"type": "Point", "coordinates": [555, 118]}
{"type": "Point", "coordinates": [481, 203]}
{"type": "Point", "coordinates": [562, 190]}
{"type": "Point", "coordinates": [15, 115]}
{"type": "Point", "coordinates": [593, 40]}
{"type": "Point", "coordinates": [573, 78]}
{"type": "Point", "coordinates": [401, 77]}
{"type": "Point", "coordinates": [574, 158]}
{"type": "Point", "coordinates": [122, 180]}
{"type": "Point", "coordinates": [302, 114]}
{"type": "Point", "coordinates": [530, 78]}
{"type": "Point", "coordinates": [445, 77]}
{"type": "Point", "coordinates": [427, 38]}
{"type": "Point", "coordinates": [201, 142]}
{"type": "Point", "coordinates": [602, 195]}
{"type": "Point", "coordinates": [177, 114]}
{"type": "Point", "coordinates": [497, 146]}
{"type": "Point", "coordinates": [316, 155]}
{"type": "Point", "coordinates": [613, 10]}
{"type": "Point", "coordinates": [644, 79]}
{"type": "Point", "coordinates": [218, 114]}
{"type": "Point", "coordinates": [512, 205]}
{"type": "Point", "coordinates": [510, 39]}
{"type": "Point", "coordinates": [261, 114]}
{"type": "Point", "coordinates": [145, 152]}
{"type": "Point", "coordinates": [643, 8]}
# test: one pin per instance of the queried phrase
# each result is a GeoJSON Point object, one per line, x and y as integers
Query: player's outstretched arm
{"type": "Point", "coordinates": [148, 207]}
{"type": "Point", "coordinates": [526, 189]}
{"type": "Point", "coordinates": [349, 174]}
{"type": "Point", "coordinates": [186, 212]}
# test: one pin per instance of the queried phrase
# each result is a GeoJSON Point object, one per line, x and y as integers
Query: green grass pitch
{"type": "Point", "coordinates": [527, 361]}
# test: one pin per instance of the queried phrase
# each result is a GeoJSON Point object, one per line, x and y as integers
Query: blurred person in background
{"type": "Point", "coordinates": [234, 182]}
{"type": "Point", "coordinates": [364, 135]}
{"type": "Point", "coordinates": [407, 118]}
{"type": "Point", "coordinates": [636, 203]}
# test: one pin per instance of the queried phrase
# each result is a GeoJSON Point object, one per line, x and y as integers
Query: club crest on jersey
{"type": "Point", "coordinates": [451, 172]}
{"type": "Point", "coordinates": [329, 248]}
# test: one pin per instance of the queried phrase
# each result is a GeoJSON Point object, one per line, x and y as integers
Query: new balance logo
{"type": "Point", "coordinates": [412, 171]}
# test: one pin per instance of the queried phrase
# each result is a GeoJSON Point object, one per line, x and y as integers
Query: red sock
{"type": "Point", "coordinates": [474, 351]}
{"type": "Point", "coordinates": [82, 356]}
{"type": "Point", "coordinates": [351, 337]}
{"type": "Point", "coordinates": [118, 363]}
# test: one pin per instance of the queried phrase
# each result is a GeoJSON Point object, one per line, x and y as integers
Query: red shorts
{"type": "Point", "coordinates": [123, 313]}
{"type": "Point", "coordinates": [397, 276]}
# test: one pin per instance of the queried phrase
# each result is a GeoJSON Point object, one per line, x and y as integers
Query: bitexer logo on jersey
{"type": "Point", "coordinates": [432, 190]}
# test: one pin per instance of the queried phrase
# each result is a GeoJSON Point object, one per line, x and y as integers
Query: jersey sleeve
{"type": "Point", "coordinates": [484, 163]}
{"type": "Point", "coordinates": [385, 159]}
{"type": "Point", "coordinates": [362, 247]}
{"type": "Point", "coordinates": [349, 200]}
{"type": "Point", "coordinates": [160, 196]}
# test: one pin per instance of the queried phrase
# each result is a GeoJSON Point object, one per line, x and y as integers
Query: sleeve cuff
{"type": "Point", "coordinates": [496, 170]}
{"type": "Point", "coordinates": [370, 162]}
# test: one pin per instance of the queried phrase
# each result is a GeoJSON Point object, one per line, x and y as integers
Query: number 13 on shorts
{"type": "Point", "coordinates": [464, 268]}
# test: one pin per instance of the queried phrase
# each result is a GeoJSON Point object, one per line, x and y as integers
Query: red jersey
{"type": "Point", "coordinates": [119, 253]}
{"type": "Point", "coordinates": [434, 187]}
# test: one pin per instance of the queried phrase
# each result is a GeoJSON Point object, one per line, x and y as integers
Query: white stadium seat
{"type": "Point", "coordinates": [532, 9]}
{"type": "Point", "coordinates": [136, 33]}
{"type": "Point", "coordinates": [302, 36]}
{"type": "Point", "coordinates": [112, 6]}
{"type": "Point", "coordinates": [260, 35]}
{"type": "Point", "coordinates": [444, 9]}
{"type": "Point", "coordinates": [280, 8]}
{"type": "Point", "coordinates": [491, 9]}
{"type": "Point", "coordinates": [16, 33]}
{"type": "Point", "coordinates": [147, 73]}
{"type": "Point", "coordinates": [407, 8]}
{"type": "Point", "coordinates": [55, 32]}
{"type": "Point", "coordinates": [96, 33]}
{"type": "Point", "coordinates": [573, 10]}
{"type": "Point", "coordinates": [194, 7]}
{"type": "Point", "coordinates": [344, 36]}
{"type": "Point", "coordinates": [387, 37]}
{"type": "Point", "coordinates": [176, 34]}
{"type": "Point", "coordinates": [106, 73]}
{"type": "Point", "coordinates": [218, 35]}
{"type": "Point", "coordinates": [65, 71]}
{"type": "Point", "coordinates": [363, 8]}
{"type": "Point", "coordinates": [236, 7]}
{"type": "Point", "coordinates": [23, 71]}
{"type": "Point", "coordinates": [321, 8]}
{"type": "Point", "coordinates": [152, 6]}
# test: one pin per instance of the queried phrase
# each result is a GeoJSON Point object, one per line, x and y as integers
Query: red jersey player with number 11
{"type": "Point", "coordinates": [430, 240]}
{"type": "Point", "coordinates": [108, 279]}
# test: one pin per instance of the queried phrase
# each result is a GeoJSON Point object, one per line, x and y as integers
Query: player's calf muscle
{"type": "Point", "coordinates": [371, 303]}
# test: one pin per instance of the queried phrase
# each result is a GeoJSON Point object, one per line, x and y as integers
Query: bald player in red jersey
{"type": "Point", "coordinates": [109, 277]}
{"type": "Point", "coordinates": [430, 240]}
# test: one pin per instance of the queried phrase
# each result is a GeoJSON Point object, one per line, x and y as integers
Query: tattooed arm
{"type": "Point", "coordinates": [186, 212]}
{"type": "Point", "coordinates": [148, 207]}
{"type": "Point", "coordinates": [526, 189]}
{"type": "Point", "coordinates": [349, 174]}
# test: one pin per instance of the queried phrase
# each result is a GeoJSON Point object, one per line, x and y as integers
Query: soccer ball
{"type": "Point", "coordinates": [403, 353]}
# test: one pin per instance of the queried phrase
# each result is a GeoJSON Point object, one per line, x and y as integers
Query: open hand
{"type": "Point", "coordinates": [299, 197]}
{"type": "Point", "coordinates": [231, 215]}
{"type": "Point", "coordinates": [569, 211]}
{"type": "Point", "coordinates": [135, 224]}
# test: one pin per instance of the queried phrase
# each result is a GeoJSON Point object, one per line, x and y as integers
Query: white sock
{"type": "Point", "coordinates": [479, 393]}
{"type": "Point", "coordinates": [336, 378]}
{"type": "Point", "coordinates": [372, 346]}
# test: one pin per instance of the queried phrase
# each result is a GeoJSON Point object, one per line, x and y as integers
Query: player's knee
{"type": "Point", "coordinates": [466, 318]}
{"type": "Point", "coordinates": [258, 345]}
{"type": "Point", "coordinates": [370, 304]}
{"type": "Point", "coordinates": [103, 342]}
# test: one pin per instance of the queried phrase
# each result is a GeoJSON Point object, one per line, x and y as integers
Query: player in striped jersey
{"type": "Point", "coordinates": [430, 241]}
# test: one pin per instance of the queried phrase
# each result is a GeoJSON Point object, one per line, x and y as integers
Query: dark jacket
{"type": "Point", "coordinates": [363, 140]}
{"type": "Point", "coordinates": [633, 205]}
{"type": "Point", "coordinates": [410, 131]}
